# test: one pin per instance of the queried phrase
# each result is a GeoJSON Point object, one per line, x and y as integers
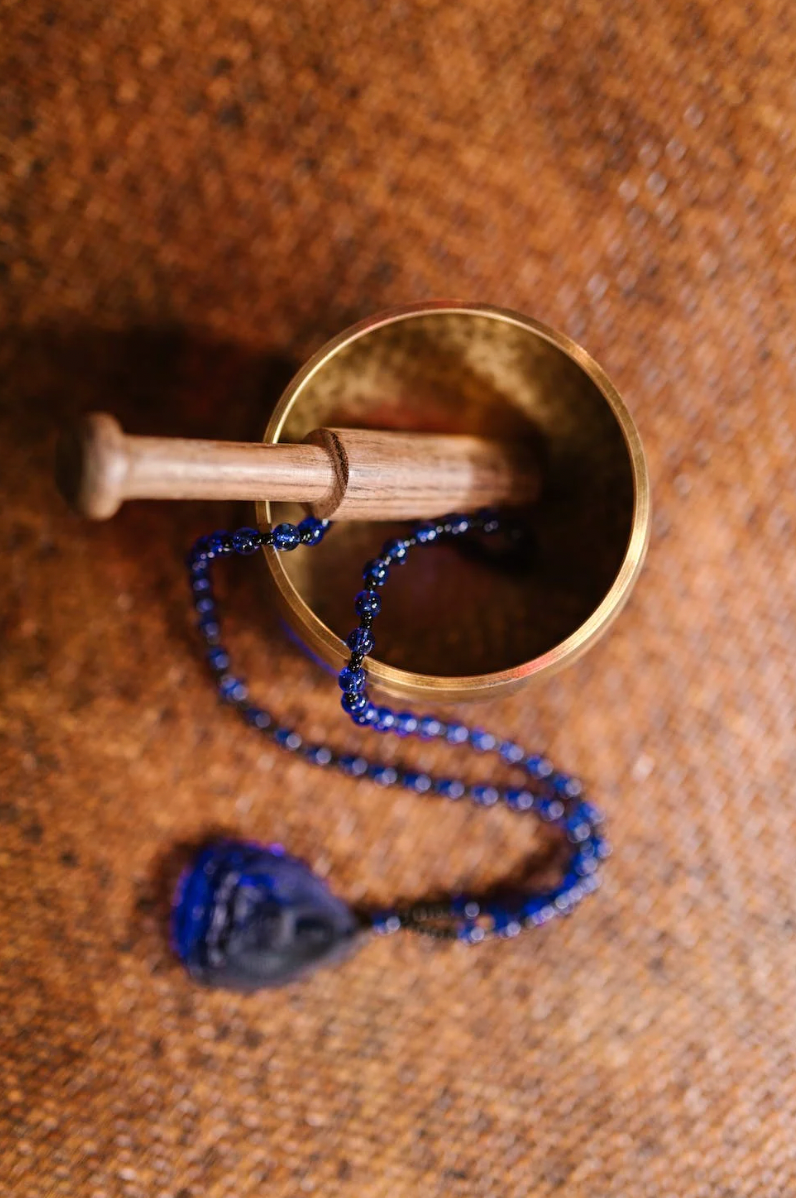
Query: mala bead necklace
{"type": "Point", "coordinates": [248, 916]}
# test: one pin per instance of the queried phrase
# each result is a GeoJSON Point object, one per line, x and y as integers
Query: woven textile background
{"type": "Point", "coordinates": [195, 194]}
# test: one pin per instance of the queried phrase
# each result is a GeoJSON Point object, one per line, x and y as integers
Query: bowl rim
{"type": "Point", "coordinates": [457, 688]}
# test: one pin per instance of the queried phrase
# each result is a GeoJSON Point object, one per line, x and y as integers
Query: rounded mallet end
{"type": "Point", "coordinates": [91, 466]}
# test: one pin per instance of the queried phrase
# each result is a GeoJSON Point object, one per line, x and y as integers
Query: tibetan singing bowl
{"type": "Point", "coordinates": [454, 627]}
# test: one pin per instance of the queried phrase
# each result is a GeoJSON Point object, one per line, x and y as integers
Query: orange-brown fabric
{"type": "Point", "coordinates": [194, 196]}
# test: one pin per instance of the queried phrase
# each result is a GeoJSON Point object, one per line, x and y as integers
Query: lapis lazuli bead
{"type": "Point", "coordinates": [538, 767]}
{"type": "Point", "coordinates": [367, 603]}
{"type": "Point", "coordinates": [287, 738]}
{"type": "Point", "coordinates": [367, 716]}
{"type": "Point", "coordinates": [384, 775]}
{"type": "Point", "coordinates": [312, 531]}
{"type": "Point", "coordinates": [318, 754]}
{"type": "Point", "coordinates": [201, 551]}
{"type": "Point", "coordinates": [219, 544]}
{"type": "Point", "coordinates": [405, 723]}
{"type": "Point", "coordinates": [386, 719]}
{"type": "Point", "coordinates": [360, 641]}
{"type": "Point", "coordinates": [426, 533]}
{"type": "Point", "coordinates": [209, 627]}
{"type": "Point", "coordinates": [353, 765]}
{"type": "Point", "coordinates": [566, 786]}
{"type": "Point", "coordinates": [457, 525]}
{"type": "Point", "coordinates": [246, 541]}
{"type": "Point", "coordinates": [218, 659]}
{"type": "Point", "coordinates": [518, 799]}
{"type": "Point", "coordinates": [231, 689]}
{"type": "Point", "coordinates": [246, 916]}
{"type": "Point", "coordinates": [376, 573]}
{"type": "Point", "coordinates": [286, 537]}
{"type": "Point", "coordinates": [351, 680]}
{"type": "Point", "coordinates": [395, 551]}
{"type": "Point", "coordinates": [511, 753]}
{"type": "Point", "coordinates": [485, 796]}
{"type": "Point", "coordinates": [258, 718]}
{"type": "Point", "coordinates": [449, 788]}
{"type": "Point", "coordinates": [353, 702]}
{"type": "Point", "coordinates": [457, 734]}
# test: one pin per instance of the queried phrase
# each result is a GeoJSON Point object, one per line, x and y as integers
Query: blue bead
{"type": "Point", "coordinates": [218, 658]}
{"type": "Point", "coordinates": [485, 796]}
{"type": "Point", "coordinates": [519, 800]}
{"type": "Point", "coordinates": [384, 775]}
{"type": "Point", "coordinates": [200, 552]}
{"type": "Point", "coordinates": [405, 723]}
{"type": "Point", "coordinates": [257, 718]}
{"type": "Point", "coordinates": [566, 786]}
{"type": "Point", "coordinates": [505, 923]}
{"type": "Point", "coordinates": [287, 738]}
{"type": "Point", "coordinates": [592, 814]}
{"type": "Point", "coordinates": [577, 828]}
{"type": "Point", "coordinates": [458, 524]}
{"type": "Point", "coordinates": [219, 544]}
{"type": "Point", "coordinates": [385, 922]}
{"type": "Point", "coordinates": [204, 605]}
{"type": "Point", "coordinates": [386, 719]}
{"type": "Point", "coordinates": [429, 726]}
{"type": "Point", "coordinates": [366, 717]}
{"type": "Point", "coordinates": [482, 741]}
{"type": "Point", "coordinates": [449, 788]}
{"type": "Point", "coordinates": [286, 537]}
{"type": "Point", "coordinates": [232, 689]}
{"type": "Point", "coordinates": [351, 680]}
{"type": "Point", "coordinates": [538, 767]}
{"type": "Point", "coordinates": [201, 584]}
{"type": "Point", "coordinates": [426, 533]}
{"type": "Point", "coordinates": [209, 628]}
{"type": "Point", "coordinates": [550, 810]}
{"type": "Point", "coordinates": [353, 702]}
{"type": "Point", "coordinates": [584, 865]}
{"type": "Point", "coordinates": [395, 552]}
{"type": "Point", "coordinates": [539, 909]}
{"type": "Point", "coordinates": [420, 783]}
{"type": "Point", "coordinates": [367, 603]}
{"type": "Point", "coordinates": [376, 573]}
{"type": "Point", "coordinates": [318, 755]}
{"type": "Point", "coordinates": [457, 734]}
{"type": "Point", "coordinates": [312, 531]}
{"type": "Point", "coordinates": [471, 933]}
{"type": "Point", "coordinates": [353, 765]}
{"type": "Point", "coordinates": [487, 519]}
{"type": "Point", "coordinates": [511, 752]}
{"type": "Point", "coordinates": [246, 541]}
{"type": "Point", "coordinates": [360, 641]}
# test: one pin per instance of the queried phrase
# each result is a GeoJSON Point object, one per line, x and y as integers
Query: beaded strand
{"type": "Point", "coordinates": [556, 798]}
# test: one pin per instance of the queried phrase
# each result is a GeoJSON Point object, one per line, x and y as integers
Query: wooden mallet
{"type": "Point", "coordinates": [348, 474]}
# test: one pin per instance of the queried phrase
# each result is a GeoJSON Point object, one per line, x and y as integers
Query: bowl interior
{"type": "Point", "coordinates": [446, 613]}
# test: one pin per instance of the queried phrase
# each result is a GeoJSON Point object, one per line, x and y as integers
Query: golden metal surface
{"type": "Point", "coordinates": [452, 629]}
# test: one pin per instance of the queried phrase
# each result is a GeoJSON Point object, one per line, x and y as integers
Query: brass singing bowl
{"type": "Point", "coordinates": [453, 628]}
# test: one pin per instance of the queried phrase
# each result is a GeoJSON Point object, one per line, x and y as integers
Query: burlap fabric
{"type": "Point", "coordinates": [194, 196]}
